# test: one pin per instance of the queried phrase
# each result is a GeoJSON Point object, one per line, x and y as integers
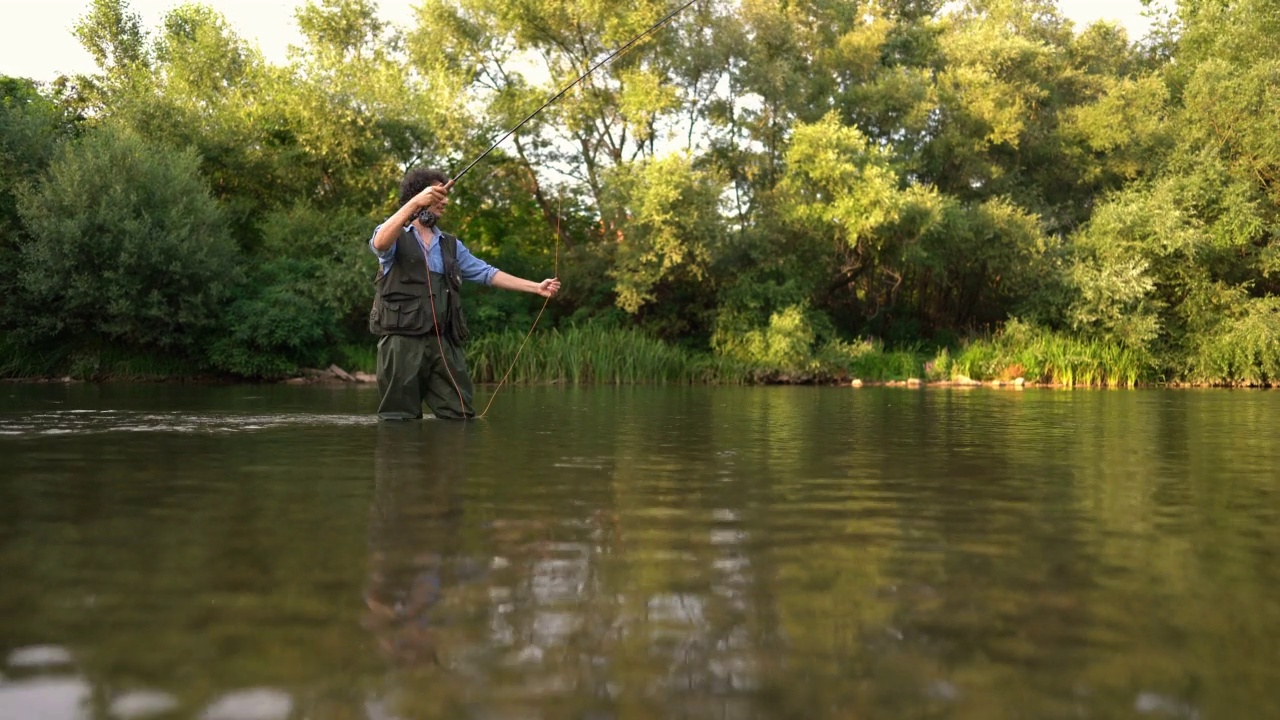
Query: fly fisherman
{"type": "Point", "coordinates": [417, 308]}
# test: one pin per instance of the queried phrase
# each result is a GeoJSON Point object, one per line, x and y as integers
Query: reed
{"type": "Point", "coordinates": [591, 354]}
{"type": "Point", "coordinates": [869, 360]}
{"type": "Point", "coordinates": [588, 354]}
{"type": "Point", "coordinates": [116, 364]}
{"type": "Point", "coordinates": [17, 361]}
{"type": "Point", "coordinates": [358, 358]}
{"type": "Point", "coordinates": [1041, 356]}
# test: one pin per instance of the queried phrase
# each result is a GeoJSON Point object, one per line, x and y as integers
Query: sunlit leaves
{"type": "Point", "coordinates": [1127, 129]}
{"type": "Point", "coordinates": [1186, 259]}
{"type": "Point", "coordinates": [1236, 111]}
{"type": "Point", "coordinates": [112, 34]}
{"type": "Point", "coordinates": [786, 342]}
{"type": "Point", "coordinates": [673, 226]}
{"type": "Point", "coordinates": [200, 55]}
{"type": "Point", "coordinates": [643, 99]}
{"type": "Point", "coordinates": [1244, 348]}
{"type": "Point", "coordinates": [837, 178]}
{"type": "Point", "coordinates": [338, 30]}
{"type": "Point", "coordinates": [1115, 301]}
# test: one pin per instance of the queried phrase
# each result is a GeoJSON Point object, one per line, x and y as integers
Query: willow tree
{"type": "Point", "coordinates": [1186, 264]}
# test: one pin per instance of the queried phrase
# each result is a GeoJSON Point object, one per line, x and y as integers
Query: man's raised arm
{"type": "Point", "coordinates": [390, 230]}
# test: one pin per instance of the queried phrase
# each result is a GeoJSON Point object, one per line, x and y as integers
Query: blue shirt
{"type": "Point", "coordinates": [471, 268]}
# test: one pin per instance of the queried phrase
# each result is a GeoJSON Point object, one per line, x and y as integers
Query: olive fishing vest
{"type": "Point", "coordinates": [402, 303]}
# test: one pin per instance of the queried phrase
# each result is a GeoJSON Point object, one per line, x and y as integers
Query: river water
{"type": "Point", "coordinates": [263, 552]}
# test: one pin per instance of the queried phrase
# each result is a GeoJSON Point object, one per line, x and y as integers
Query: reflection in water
{"type": "Point", "coordinates": [250, 704]}
{"type": "Point", "coordinates": [414, 529]}
{"type": "Point", "coordinates": [60, 698]}
{"type": "Point", "coordinates": [652, 553]}
{"type": "Point", "coordinates": [39, 656]}
{"type": "Point", "coordinates": [476, 603]}
{"type": "Point", "coordinates": [461, 599]}
{"type": "Point", "coordinates": [141, 704]}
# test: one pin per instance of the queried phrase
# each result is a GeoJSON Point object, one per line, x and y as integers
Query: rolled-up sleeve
{"type": "Point", "coordinates": [386, 257]}
{"type": "Point", "coordinates": [472, 268]}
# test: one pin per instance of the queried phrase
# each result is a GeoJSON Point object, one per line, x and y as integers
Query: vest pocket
{"type": "Point", "coordinates": [401, 314]}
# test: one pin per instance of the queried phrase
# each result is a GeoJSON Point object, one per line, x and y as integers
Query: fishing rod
{"type": "Point", "coordinates": [653, 28]}
{"type": "Point", "coordinates": [429, 218]}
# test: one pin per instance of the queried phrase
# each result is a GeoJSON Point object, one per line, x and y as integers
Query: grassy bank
{"type": "Point", "coordinates": [1017, 351]}
{"type": "Point", "coordinates": [1042, 357]}
{"type": "Point", "coordinates": [590, 354]}
{"type": "Point", "coordinates": [92, 363]}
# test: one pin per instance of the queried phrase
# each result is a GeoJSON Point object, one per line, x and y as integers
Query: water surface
{"type": "Point", "coordinates": [273, 551]}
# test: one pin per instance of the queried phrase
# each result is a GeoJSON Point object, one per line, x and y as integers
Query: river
{"type": "Point", "coordinates": [263, 552]}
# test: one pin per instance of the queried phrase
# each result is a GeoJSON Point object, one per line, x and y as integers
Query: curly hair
{"type": "Point", "coordinates": [419, 179]}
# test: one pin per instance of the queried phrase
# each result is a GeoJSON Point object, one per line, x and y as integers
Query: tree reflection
{"type": "Point", "coordinates": [503, 597]}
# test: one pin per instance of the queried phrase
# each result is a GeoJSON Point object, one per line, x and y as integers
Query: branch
{"type": "Point", "coordinates": [531, 183]}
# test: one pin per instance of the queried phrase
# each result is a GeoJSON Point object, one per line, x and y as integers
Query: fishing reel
{"type": "Point", "coordinates": [427, 218]}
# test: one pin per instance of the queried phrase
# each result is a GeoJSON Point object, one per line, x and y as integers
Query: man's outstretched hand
{"type": "Point", "coordinates": [549, 287]}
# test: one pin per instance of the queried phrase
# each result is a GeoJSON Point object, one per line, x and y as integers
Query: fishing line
{"type": "Point", "coordinates": [431, 295]}
{"type": "Point", "coordinates": [529, 334]}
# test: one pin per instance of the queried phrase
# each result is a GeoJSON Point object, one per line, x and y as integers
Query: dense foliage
{"type": "Point", "coordinates": [782, 189]}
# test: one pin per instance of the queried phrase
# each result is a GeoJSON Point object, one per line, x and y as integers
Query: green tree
{"type": "Point", "coordinates": [662, 263]}
{"type": "Point", "coordinates": [31, 127]}
{"type": "Point", "coordinates": [307, 294]}
{"type": "Point", "coordinates": [1185, 264]}
{"type": "Point", "coordinates": [514, 55]}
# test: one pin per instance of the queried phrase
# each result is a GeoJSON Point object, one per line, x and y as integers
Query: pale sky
{"type": "Point", "coordinates": [36, 39]}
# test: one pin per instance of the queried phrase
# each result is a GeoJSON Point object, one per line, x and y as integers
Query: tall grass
{"type": "Point", "coordinates": [19, 362]}
{"type": "Point", "coordinates": [595, 354]}
{"type": "Point", "coordinates": [1042, 356]}
{"type": "Point", "coordinates": [358, 358]}
{"type": "Point", "coordinates": [590, 354]}
{"type": "Point", "coordinates": [869, 360]}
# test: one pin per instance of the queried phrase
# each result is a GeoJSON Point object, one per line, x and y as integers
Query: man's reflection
{"type": "Point", "coordinates": [414, 528]}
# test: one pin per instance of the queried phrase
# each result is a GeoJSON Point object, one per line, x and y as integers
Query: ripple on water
{"type": "Point", "coordinates": [80, 422]}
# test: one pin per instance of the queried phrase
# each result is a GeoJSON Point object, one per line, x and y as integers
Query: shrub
{"type": "Point", "coordinates": [124, 246]}
{"type": "Point", "coordinates": [270, 334]}
{"type": "Point", "coordinates": [1244, 351]}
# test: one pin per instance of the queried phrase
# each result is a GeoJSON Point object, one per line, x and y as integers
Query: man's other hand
{"type": "Point", "coordinates": [549, 287]}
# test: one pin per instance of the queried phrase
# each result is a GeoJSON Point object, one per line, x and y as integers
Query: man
{"type": "Point", "coordinates": [417, 308]}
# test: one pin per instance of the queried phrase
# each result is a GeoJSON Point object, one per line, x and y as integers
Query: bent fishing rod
{"type": "Point", "coordinates": [652, 29]}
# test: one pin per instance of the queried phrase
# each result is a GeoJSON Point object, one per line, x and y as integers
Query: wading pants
{"type": "Point", "coordinates": [411, 372]}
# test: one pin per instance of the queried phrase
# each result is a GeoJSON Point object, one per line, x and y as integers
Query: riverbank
{"type": "Point", "coordinates": [1019, 356]}
{"type": "Point", "coordinates": [337, 376]}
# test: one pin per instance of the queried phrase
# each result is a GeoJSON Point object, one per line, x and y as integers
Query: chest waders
{"type": "Point", "coordinates": [417, 315]}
